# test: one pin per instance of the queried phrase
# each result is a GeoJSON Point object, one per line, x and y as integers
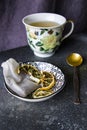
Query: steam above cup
{"type": "Point", "coordinates": [44, 32]}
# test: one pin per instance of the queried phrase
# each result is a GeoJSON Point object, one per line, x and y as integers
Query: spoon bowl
{"type": "Point", "coordinates": [74, 60]}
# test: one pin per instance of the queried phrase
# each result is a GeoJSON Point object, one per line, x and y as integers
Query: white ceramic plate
{"type": "Point", "coordinates": [60, 81]}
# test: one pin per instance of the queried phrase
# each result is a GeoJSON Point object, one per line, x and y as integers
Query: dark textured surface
{"type": "Point", "coordinates": [12, 31]}
{"type": "Point", "coordinates": [57, 113]}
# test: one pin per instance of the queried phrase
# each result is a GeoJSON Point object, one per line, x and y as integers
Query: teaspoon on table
{"type": "Point", "coordinates": [74, 60]}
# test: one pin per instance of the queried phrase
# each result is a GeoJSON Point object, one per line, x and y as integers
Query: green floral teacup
{"type": "Point", "coordinates": [44, 32]}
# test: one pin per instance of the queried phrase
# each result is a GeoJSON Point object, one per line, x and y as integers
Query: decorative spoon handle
{"type": "Point", "coordinates": [76, 87]}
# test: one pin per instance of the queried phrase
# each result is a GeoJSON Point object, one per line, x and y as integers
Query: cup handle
{"type": "Point", "coordinates": [71, 30]}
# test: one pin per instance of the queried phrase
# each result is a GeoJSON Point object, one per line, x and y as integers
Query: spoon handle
{"type": "Point", "coordinates": [76, 87]}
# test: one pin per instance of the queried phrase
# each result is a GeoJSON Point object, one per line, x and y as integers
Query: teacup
{"type": "Point", "coordinates": [44, 32]}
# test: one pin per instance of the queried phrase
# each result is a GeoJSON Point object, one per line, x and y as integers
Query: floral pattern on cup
{"type": "Point", "coordinates": [43, 40]}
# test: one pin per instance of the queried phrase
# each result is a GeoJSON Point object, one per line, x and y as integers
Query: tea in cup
{"type": "Point", "coordinates": [44, 32]}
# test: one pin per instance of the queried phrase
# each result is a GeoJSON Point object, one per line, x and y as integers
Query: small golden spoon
{"type": "Point", "coordinates": [75, 59]}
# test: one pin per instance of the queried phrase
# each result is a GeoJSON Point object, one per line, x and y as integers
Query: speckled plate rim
{"type": "Point", "coordinates": [59, 88]}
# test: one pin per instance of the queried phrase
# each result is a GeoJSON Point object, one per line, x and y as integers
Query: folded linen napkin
{"type": "Point", "coordinates": [22, 85]}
